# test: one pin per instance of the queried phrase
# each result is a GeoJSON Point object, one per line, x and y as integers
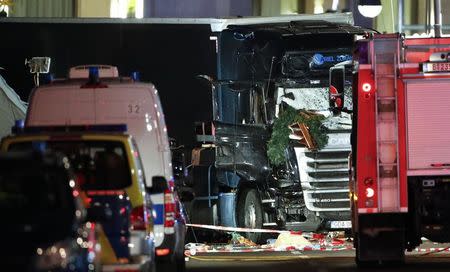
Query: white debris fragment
{"type": "Point", "coordinates": [291, 240]}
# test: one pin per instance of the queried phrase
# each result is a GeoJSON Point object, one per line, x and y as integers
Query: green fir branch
{"type": "Point", "coordinates": [280, 133]}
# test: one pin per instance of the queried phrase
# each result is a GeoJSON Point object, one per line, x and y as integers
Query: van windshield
{"type": "Point", "coordinates": [98, 165]}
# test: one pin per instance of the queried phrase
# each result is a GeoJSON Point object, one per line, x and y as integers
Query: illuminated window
{"type": "Point", "coordinates": [4, 6]}
{"type": "Point", "coordinates": [127, 8]}
{"type": "Point", "coordinates": [318, 6]}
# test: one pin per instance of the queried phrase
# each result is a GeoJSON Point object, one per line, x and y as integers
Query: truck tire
{"type": "Point", "coordinates": [380, 240]}
{"type": "Point", "coordinates": [358, 261]}
{"type": "Point", "coordinates": [249, 213]}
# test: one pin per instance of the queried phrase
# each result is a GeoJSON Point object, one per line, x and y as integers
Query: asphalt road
{"type": "Point", "coordinates": [310, 261]}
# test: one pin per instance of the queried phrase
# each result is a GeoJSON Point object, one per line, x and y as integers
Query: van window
{"type": "Point", "coordinates": [98, 165]}
{"type": "Point", "coordinates": [27, 192]}
{"type": "Point", "coordinates": [36, 203]}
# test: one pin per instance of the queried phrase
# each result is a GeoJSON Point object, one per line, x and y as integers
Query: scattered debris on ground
{"type": "Point", "coordinates": [287, 241]}
{"type": "Point", "coordinates": [295, 243]}
{"type": "Point", "coordinates": [239, 240]}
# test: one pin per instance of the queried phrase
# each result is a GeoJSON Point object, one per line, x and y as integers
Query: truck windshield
{"type": "Point", "coordinates": [314, 99]}
{"type": "Point", "coordinates": [98, 165]}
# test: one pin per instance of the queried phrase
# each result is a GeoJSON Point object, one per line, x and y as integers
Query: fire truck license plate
{"type": "Point", "coordinates": [341, 224]}
{"type": "Point", "coordinates": [436, 67]}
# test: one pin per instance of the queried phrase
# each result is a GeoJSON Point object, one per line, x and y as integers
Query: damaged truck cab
{"type": "Point", "coordinates": [253, 171]}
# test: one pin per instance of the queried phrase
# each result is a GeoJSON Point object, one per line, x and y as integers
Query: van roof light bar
{"type": "Point", "coordinates": [104, 71]}
{"type": "Point", "coordinates": [93, 79]}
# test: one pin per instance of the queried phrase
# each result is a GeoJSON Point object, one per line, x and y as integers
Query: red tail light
{"type": "Point", "coordinates": [169, 209]}
{"type": "Point", "coordinates": [367, 90]}
{"type": "Point", "coordinates": [162, 252]}
{"type": "Point", "coordinates": [370, 192]}
{"type": "Point", "coordinates": [171, 184]}
{"type": "Point", "coordinates": [366, 87]}
{"type": "Point", "coordinates": [138, 218]}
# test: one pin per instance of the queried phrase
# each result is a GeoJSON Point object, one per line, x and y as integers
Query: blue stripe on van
{"type": "Point", "coordinates": [158, 216]}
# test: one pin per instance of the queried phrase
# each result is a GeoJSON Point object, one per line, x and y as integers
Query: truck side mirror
{"type": "Point", "coordinates": [159, 185]}
{"type": "Point", "coordinates": [336, 90]}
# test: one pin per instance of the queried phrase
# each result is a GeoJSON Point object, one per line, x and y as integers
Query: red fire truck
{"type": "Point", "coordinates": [400, 165]}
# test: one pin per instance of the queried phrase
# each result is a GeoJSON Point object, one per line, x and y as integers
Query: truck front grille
{"type": "Point", "coordinates": [324, 178]}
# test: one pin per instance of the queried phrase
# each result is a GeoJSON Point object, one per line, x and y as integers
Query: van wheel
{"type": "Point", "coordinates": [152, 267]}
{"type": "Point", "coordinates": [249, 213]}
{"type": "Point", "coordinates": [181, 264]}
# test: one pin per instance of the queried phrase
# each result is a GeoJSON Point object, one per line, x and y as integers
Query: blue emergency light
{"type": "Point", "coordinates": [136, 76]}
{"type": "Point", "coordinates": [20, 123]}
{"type": "Point", "coordinates": [94, 79]}
{"type": "Point", "coordinates": [18, 126]}
{"type": "Point", "coordinates": [93, 74]}
{"type": "Point", "coordinates": [49, 78]}
{"type": "Point", "coordinates": [39, 146]}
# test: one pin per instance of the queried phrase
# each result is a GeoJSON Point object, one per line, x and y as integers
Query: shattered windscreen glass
{"type": "Point", "coordinates": [315, 99]}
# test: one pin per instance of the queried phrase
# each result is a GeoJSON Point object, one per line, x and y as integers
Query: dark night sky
{"type": "Point", "coordinates": [170, 56]}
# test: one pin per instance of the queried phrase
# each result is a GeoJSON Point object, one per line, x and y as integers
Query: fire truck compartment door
{"type": "Point", "coordinates": [428, 126]}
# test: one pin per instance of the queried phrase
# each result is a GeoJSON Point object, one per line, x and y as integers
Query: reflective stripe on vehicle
{"type": "Point", "coordinates": [158, 210]}
{"type": "Point", "coordinates": [116, 228]}
{"type": "Point", "coordinates": [108, 255]}
{"type": "Point", "coordinates": [158, 215]}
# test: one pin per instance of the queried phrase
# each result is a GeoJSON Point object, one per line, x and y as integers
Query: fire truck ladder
{"type": "Point", "coordinates": [385, 62]}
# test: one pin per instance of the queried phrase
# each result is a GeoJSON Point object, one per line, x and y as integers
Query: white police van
{"type": "Point", "coordinates": [95, 94]}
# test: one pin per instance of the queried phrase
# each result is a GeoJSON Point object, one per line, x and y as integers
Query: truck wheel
{"type": "Point", "coordinates": [358, 261]}
{"type": "Point", "coordinates": [381, 247]}
{"type": "Point", "coordinates": [249, 213]}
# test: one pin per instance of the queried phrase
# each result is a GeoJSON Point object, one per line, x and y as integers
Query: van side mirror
{"type": "Point", "coordinates": [159, 185]}
{"type": "Point", "coordinates": [336, 90]}
{"type": "Point", "coordinates": [186, 196]}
